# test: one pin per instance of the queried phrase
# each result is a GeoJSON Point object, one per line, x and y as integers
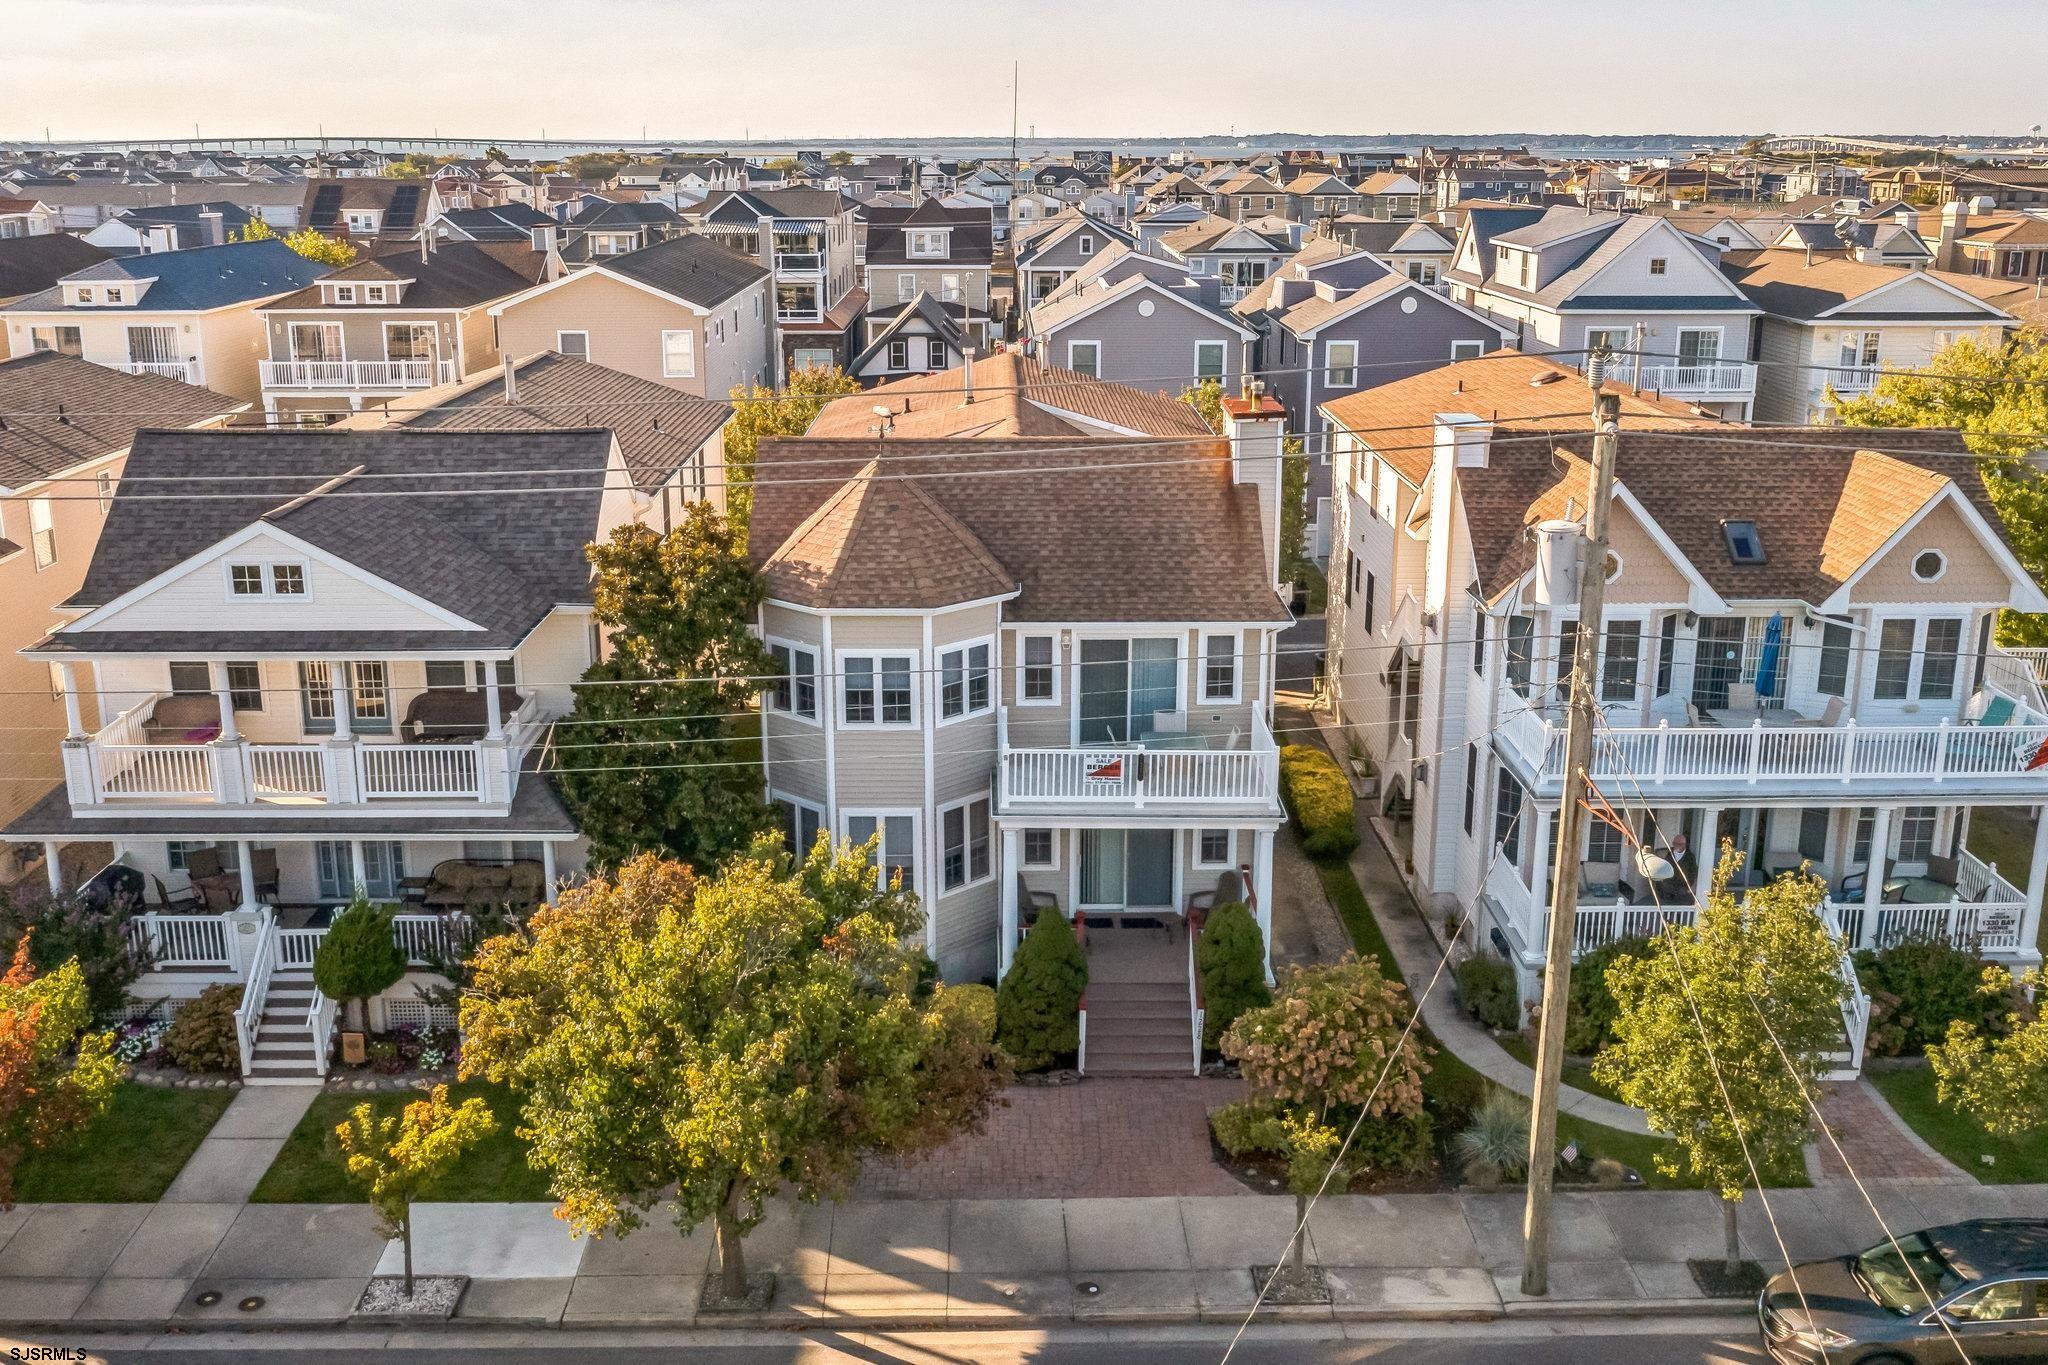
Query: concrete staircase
{"type": "Point", "coordinates": [283, 1054]}
{"type": "Point", "coordinates": [1139, 1028]}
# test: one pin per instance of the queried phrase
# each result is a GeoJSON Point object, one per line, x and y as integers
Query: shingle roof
{"type": "Point", "coordinates": [923, 308]}
{"type": "Point", "coordinates": [197, 279]}
{"type": "Point", "coordinates": [502, 561]}
{"type": "Point", "coordinates": [1784, 282]}
{"type": "Point", "coordinates": [878, 541]}
{"type": "Point", "coordinates": [453, 275]}
{"type": "Point", "coordinates": [1820, 516]}
{"type": "Point", "coordinates": [972, 241]}
{"type": "Point", "coordinates": [1105, 533]}
{"type": "Point", "coordinates": [693, 268]}
{"type": "Point", "coordinates": [512, 222]}
{"type": "Point", "coordinates": [657, 427]}
{"type": "Point", "coordinates": [1014, 395]}
{"type": "Point", "coordinates": [29, 264]}
{"type": "Point", "coordinates": [92, 396]}
{"type": "Point", "coordinates": [1315, 310]}
{"type": "Point", "coordinates": [1204, 234]}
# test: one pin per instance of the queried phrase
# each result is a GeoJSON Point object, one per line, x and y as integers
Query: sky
{"type": "Point", "coordinates": [700, 71]}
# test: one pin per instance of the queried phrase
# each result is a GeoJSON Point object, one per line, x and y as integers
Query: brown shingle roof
{"type": "Point", "coordinates": [1105, 531]}
{"type": "Point", "coordinates": [1788, 283]}
{"type": "Point", "coordinates": [1821, 511]}
{"type": "Point", "coordinates": [1012, 393]}
{"type": "Point", "coordinates": [883, 542]}
{"type": "Point", "coordinates": [1502, 387]}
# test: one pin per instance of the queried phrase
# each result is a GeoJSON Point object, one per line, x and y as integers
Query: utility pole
{"type": "Point", "coordinates": [1571, 823]}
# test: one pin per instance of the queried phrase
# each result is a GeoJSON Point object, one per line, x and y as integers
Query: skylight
{"type": "Point", "coordinates": [1745, 546]}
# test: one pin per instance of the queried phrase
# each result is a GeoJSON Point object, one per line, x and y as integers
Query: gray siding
{"type": "Point", "coordinates": [1155, 353]}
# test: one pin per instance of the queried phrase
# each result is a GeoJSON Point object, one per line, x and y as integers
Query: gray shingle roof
{"type": "Point", "coordinates": [201, 278]}
{"type": "Point", "coordinates": [693, 268]}
{"type": "Point", "coordinates": [37, 447]}
{"type": "Point", "coordinates": [500, 560]}
{"type": "Point", "coordinates": [454, 275]}
{"type": "Point", "coordinates": [29, 264]}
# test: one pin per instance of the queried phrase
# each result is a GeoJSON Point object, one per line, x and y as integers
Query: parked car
{"type": "Point", "coordinates": [1981, 1286]}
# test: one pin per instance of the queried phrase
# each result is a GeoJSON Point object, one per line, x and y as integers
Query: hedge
{"type": "Point", "coordinates": [1318, 801]}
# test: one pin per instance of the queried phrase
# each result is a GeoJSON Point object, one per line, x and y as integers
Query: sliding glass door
{"type": "Point", "coordinates": [1127, 869]}
{"type": "Point", "coordinates": [1123, 682]}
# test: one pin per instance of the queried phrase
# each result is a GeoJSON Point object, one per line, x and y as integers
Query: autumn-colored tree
{"type": "Point", "coordinates": [647, 761]}
{"type": "Point", "coordinates": [1695, 1017]}
{"type": "Point", "coordinates": [714, 1042]}
{"type": "Point", "coordinates": [2002, 1082]}
{"type": "Point", "coordinates": [314, 246]}
{"type": "Point", "coordinates": [1333, 1051]}
{"type": "Point", "coordinates": [49, 1088]}
{"type": "Point", "coordinates": [758, 411]}
{"type": "Point", "coordinates": [395, 1157]}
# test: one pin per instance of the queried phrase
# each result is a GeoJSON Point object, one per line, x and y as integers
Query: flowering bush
{"type": "Point", "coordinates": [140, 1040]}
{"type": "Point", "coordinates": [412, 1049]}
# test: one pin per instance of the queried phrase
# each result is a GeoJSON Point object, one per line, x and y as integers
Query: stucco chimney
{"type": "Point", "coordinates": [1255, 425]}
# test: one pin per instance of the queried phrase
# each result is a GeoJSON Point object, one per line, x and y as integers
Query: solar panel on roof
{"type": "Point", "coordinates": [405, 207]}
{"type": "Point", "coordinates": [326, 205]}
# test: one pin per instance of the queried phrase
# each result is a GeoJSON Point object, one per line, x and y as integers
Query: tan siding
{"type": "Point", "coordinates": [1973, 575]}
{"type": "Point", "coordinates": [625, 325]}
{"type": "Point", "coordinates": [1648, 574]}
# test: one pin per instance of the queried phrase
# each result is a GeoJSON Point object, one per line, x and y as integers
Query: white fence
{"type": "Point", "coordinates": [1129, 775]}
{"type": "Point", "coordinates": [182, 940]}
{"type": "Point", "coordinates": [1705, 377]}
{"type": "Point", "coordinates": [355, 374]}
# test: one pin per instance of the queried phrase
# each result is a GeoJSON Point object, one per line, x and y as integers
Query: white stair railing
{"type": "Point", "coordinates": [248, 1018]}
{"type": "Point", "coordinates": [320, 1023]}
{"type": "Point", "coordinates": [1197, 1007]}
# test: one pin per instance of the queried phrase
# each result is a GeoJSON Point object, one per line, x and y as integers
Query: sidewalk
{"type": "Point", "coordinates": [959, 1263]}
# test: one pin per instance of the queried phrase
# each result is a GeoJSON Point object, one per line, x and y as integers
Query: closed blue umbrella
{"type": "Point", "coordinates": [1767, 659]}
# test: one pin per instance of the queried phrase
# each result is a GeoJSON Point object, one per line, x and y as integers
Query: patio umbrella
{"type": "Point", "coordinates": [1767, 659]}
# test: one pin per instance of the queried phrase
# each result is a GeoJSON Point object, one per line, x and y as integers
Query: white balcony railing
{"type": "Point", "coordinates": [1734, 377]}
{"type": "Point", "coordinates": [1133, 777]}
{"type": "Point", "coordinates": [798, 315]}
{"type": "Point", "coordinates": [356, 374]}
{"type": "Point", "coordinates": [1761, 757]}
{"type": "Point", "coordinates": [1988, 914]}
{"type": "Point", "coordinates": [799, 262]}
{"type": "Point", "coordinates": [181, 940]}
{"type": "Point", "coordinates": [184, 371]}
{"type": "Point", "coordinates": [1848, 381]}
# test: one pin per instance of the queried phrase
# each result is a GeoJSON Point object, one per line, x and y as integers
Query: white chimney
{"type": "Point", "coordinates": [1461, 440]}
{"type": "Point", "coordinates": [1255, 425]}
{"type": "Point", "coordinates": [511, 378]}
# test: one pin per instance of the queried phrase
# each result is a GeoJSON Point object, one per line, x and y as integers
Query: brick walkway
{"type": "Point", "coordinates": [1101, 1138]}
{"type": "Point", "coordinates": [1872, 1137]}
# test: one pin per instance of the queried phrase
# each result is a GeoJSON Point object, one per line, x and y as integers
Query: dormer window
{"type": "Point", "coordinates": [374, 293]}
{"type": "Point", "coordinates": [362, 220]}
{"type": "Point", "coordinates": [113, 294]}
{"type": "Point", "coordinates": [84, 295]}
{"type": "Point", "coordinates": [929, 243]}
{"type": "Point", "coordinates": [1745, 546]}
{"type": "Point", "coordinates": [344, 293]}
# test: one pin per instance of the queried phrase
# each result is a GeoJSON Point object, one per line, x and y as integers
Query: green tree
{"type": "Point", "coordinates": [397, 1156]}
{"type": "Point", "coordinates": [788, 165]}
{"type": "Point", "coordinates": [1231, 956]}
{"type": "Point", "coordinates": [1997, 396]}
{"type": "Point", "coordinates": [841, 158]}
{"type": "Point", "coordinates": [1207, 399]}
{"type": "Point", "coordinates": [55, 1078]}
{"type": "Point", "coordinates": [1716, 1081]}
{"type": "Point", "coordinates": [1334, 1050]}
{"type": "Point", "coordinates": [2002, 1082]}
{"type": "Point", "coordinates": [62, 929]}
{"type": "Point", "coordinates": [758, 411]}
{"type": "Point", "coordinates": [495, 154]}
{"type": "Point", "coordinates": [598, 166]}
{"type": "Point", "coordinates": [1038, 1003]}
{"type": "Point", "coordinates": [358, 956]}
{"type": "Point", "coordinates": [649, 762]}
{"type": "Point", "coordinates": [334, 251]}
{"type": "Point", "coordinates": [716, 1042]}
{"type": "Point", "coordinates": [416, 166]}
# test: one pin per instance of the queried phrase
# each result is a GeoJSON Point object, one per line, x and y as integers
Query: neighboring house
{"type": "Point", "coordinates": [393, 324]}
{"type": "Point", "coordinates": [1136, 328]}
{"type": "Point", "coordinates": [57, 478]}
{"type": "Point", "coordinates": [1317, 195]}
{"type": "Point", "coordinates": [1153, 226]}
{"type": "Point", "coordinates": [990, 666]}
{"type": "Point", "coordinates": [1419, 250]}
{"type": "Point", "coordinates": [1007, 394]}
{"type": "Point", "coordinates": [496, 223]}
{"type": "Point", "coordinates": [1236, 255]}
{"type": "Point", "coordinates": [24, 218]}
{"type": "Point", "coordinates": [923, 337]}
{"type": "Point", "coordinates": [327, 693]}
{"type": "Point", "coordinates": [604, 228]}
{"type": "Point", "coordinates": [173, 227]}
{"type": "Point", "coordinates": [1833, 322]}
{"type": "Point", "coordinates": [2014, 249]}
{"type": "Point", "coordinates": [83, 205]}
{"type": "Point", "coordinates": [930, 249]}
{"type": "Point", "coordinates": [1493, 183]}
{"type": "Point", "coordinates": [29, 265]}
{"type": "Point", "coordinates": [1692, 184]}
{"type": "Point", "coordinates": [365, 208]}
{"type": "Point", "coordinates": [185, 315]}
{"type": "Point", "coordinates": [1570, 281]}
{"type": "Point", "coordinates": [809, 242]}
{"type": "Point", "coordinates": [1875, 241]}
{"type": "Point", "coordinates": [1249, 195]}
{"type": "Point", "coordinates": [686, 312]}
{"type": "Point", "coordinates": [1853, 591]}
{"type": "Point", "coordinates": [1057, 249]}
{"type": "Point", "coordinates": [672, 462]}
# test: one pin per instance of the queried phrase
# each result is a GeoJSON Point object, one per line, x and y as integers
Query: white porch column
{"type": "Point", "coordinates": [245, 864]}
{"type": "Point", "coordinates": [358, 868]}
{"type": "Point", "coordinates": [1537, 838]}
{"type": "Point", "coordinates": [2037, 878]}
{"type": "Point", "coordinates": [547, 864]}
{"type": "Point", "coordinates": [52, 868]}
{"type": "Point", "coordinates": [1706, 853]}
{"type": "Point", "coordinates": [492, 709]}
{"type": "Point", "coordinates": [74, 724]}
{"type": "Point", "coordinates": [1873, 875]}
{"type": "Point", "coordinates": [1262, 887]}
{"type": "Point", "coordinates": [344, 707]}
{"type": "Point", "coordinates": [1006, 878]}
{"type": "Point", "coordinates": [223, 697]}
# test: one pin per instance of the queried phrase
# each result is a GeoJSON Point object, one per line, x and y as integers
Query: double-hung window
{"type": "Point", "coordinates": [897, 854]}
{"type": "Point", "coordinates": [1213, 848]}
{"type": "Point", "coordinates": [799, 822]}
{"type": "Point", "coordinates": [1219, 667]}
{"type": "Point", "coordinates": [964, 836]}
{"type": "Point", "coordinates": [1621, 663]}
{"type": "Point", "coordinates": [679, 354]}
{"type": "Point", "coordinates": [1938, 659]}
{"type": "Point", "coordinates": [42, 532]}
{"type": "Point", "coordinates": [964, 681]}
{"type": "Point", "coordinates": [1085, 357]}
{"type": "Point", "coordinates": [1918, 659]}
{"type": "Point", "coordinates": [876, 689]}
{"type": "Point", "coordinates": [1340, 364]}
{"type": "Point", "coordinates": [1833, 678]}
{"type": "Point", "coordinates": [1209, 356]}
{"type": "Point", "coordinates": [1894, 661]}
{"type": "Point", "coordinates": [1038, 676]}
{"type": "Point", "coordinates": [899, 353]}
{"type": "Point", "coordinates": [794, 691]}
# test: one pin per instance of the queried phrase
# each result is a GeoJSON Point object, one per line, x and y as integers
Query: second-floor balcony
{"type": "Point", "coordinates": [184, 371]}
{"type": "Point", "coordinates": [1161, 772]}
{"type": "Point", "coordinates": [1701, 379]}
{"type": "Point", "coordinates": [799, 262]}
{"type": "Point", "coordinates": [133, 763]}
{"type": "Point", "coordinates": [356, 374]}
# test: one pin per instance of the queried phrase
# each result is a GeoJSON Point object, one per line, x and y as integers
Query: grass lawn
{"type": "Point", "coordinates": [1341, 889]}
{"type": "Point", "coordinates": [130, 1154]}
{"type": "Point", "coordinates": [1957, 1136]}
{"type": "Point", "coordinates": [1577, 1074]}
{"type": "Point", "coordinates": [309, 1170]}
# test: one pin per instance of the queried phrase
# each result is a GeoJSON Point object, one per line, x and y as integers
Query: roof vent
{"type": "Point", "coordinates": [1547, 377]}
{"type": "Point", "coordinates": [1745, 546]}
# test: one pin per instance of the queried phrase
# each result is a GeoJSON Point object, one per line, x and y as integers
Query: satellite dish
{"type": "Point", "coordinates": [1653, 867]}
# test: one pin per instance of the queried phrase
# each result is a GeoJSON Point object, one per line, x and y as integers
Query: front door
{"type": "Point", "coordinates": [1151, 868]}
{"type": "Point", "coordinates": [1718, 661]}
{"type": "Point", "coordinates": [383, 868]}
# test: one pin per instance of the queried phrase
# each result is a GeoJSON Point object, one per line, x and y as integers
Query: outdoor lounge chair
{"type": "Point", "coordinates": [1030, 902]}
{"type": "Point", "coordinates": [191, 719]}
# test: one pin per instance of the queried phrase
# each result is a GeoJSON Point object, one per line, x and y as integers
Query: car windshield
{"type": "Point", "coordinates": [1903, 1283]}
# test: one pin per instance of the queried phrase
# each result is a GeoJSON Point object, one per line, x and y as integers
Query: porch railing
{"type": "Point", "coordinates": [320, 1024]}
{"type": "Point", "coordinates": [286, 770]}
{"type": "Point", "coordinates": [1596, 926]}
{"type": "Point", "coordinates": [421, 770]}
{"type": "Point", "coordinates": [1198, 1009]}
{"type": "Point", "coordinates": [116, 766]}
{"type": "Point", "coordinates": [355, 374]}
{"type": "Point", "coordinates": [2017, 674]}
{"type": "Point", "coordinates": [1706, 377]}
{"type": "Point", "coordinates": [155, 771]}
{"type": "Point", "coordinates": [296, 947]}
{"type": "Point", "coordinates": [1855, 1000]}
{"type": "Point", "coordinates": [182, 940]}
{"type": "Point", "coordinates": [184, 371]}
{"type": "Point", "coordinates": [1130, 775]}
{"type": "Point", "coordinates": [249, 1016]}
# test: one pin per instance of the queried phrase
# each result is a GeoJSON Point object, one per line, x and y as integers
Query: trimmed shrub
{"type": "Point", "coordinates": [202, 1037]}
{"type": "Point", "coordinates": [66, 928]}
{"type": "Point", "coordinates": [1487, 986]}
{"type": "Point", "coordinates": [1917, 987]}
{"type": "Point", "coordinates": [1037, 1019]}
{"type": "Point", "coordinates": [1319, 801]}
{"type": "Point", "coordinates": [359, 957]}
{"type": "Point", "coordinates": [1231, 956]}
{"type": "Point", "coordinates": [1590, 1013]}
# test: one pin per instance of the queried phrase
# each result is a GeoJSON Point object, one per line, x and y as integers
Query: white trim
{"type": "Point", "coordinates": [800, 804]}
{"type": "Point", "coordinates": [433, 328]}
{"type": "Point", "coordinates": [881, 815]}
{"type": "Point", "coordinates": [1940, 572]}
{"type": "Point", "coordinates": [2025, 595]}
{"type": "Point", "coordinates": [1229, 844]}
{"type": "Point", "coordinates": [995, 671]}
{"type": "Point", "coordinates": [268, 568]}
{"type": "Point", "coordinates": [1017, 689]}
{"type": "Point", "coordinates": [1097, 371]}
{"type": "Point", "coordinates": [1330, 368]}
{"type": "Point", "coordinates": [1840, 312]}
{"type": "Point", "coordinates": [689, 371]}
{"type": "Point", "coordinates": [965, 804]}
{"type": "Point", "coordinates": [1222, 370]}
{"type": "Point", "coordinates": [1406, 285]}
{"type": "Point", "coordinates": [875, 655]}
{"type": "Point", "coordinates": [96, 617]}
{"type": "Point", "coordinates": [1146, 284]}
{"type": "Point", "coordinates": [817, 716]}
{"type": "Point", "coordinates": [593, 271]}
{"type": "Point", "coordinates": [1466, 341]}
{"type": "Point", "coordinates": [1024, 864]}
{"type": "Point", "coordinates": [1237, 655]}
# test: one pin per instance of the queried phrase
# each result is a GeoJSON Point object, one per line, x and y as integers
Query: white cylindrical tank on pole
{"type": "Point", "coordinates": [1560, 553]}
